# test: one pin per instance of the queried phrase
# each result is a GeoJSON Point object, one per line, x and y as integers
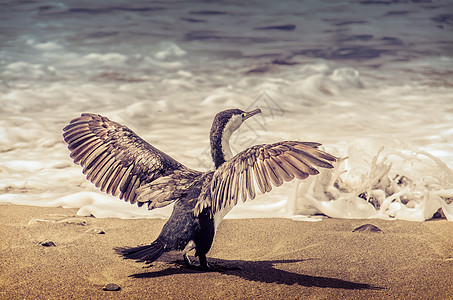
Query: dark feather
{"type": "Point", "coordinates": [259, 177]}
{"type": "Point", "coordinates": [279, 169]}
{"type": "Point", "coordinates": [263, 172]}
{"type": "Point", "coordinates": [249, 183]}
{"type": "Point", "coordinates": [108, 177]}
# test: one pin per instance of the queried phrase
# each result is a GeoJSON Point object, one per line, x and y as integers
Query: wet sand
{"type": "Point", "coordinates": [279, 259]}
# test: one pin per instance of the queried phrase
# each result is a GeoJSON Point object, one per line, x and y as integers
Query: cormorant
{"type": "Point", "coordinates": [118, 161]}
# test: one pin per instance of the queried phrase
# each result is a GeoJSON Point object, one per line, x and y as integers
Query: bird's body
{"type": "Point", "coordinates": [119, 162]}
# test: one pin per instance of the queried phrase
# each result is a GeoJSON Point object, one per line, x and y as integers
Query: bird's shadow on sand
{"type": "Point", "coordinates": [259, 271]}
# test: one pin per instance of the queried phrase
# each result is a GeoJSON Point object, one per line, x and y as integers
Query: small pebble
{"type": "Point", "coordinates": [368, 228]}
{"type": "Point", "coordinates": [47, 243]}
{"type": "Point", "coordinates": [111, 287]}
{"type": "Point", "coordinates": [96, 230]}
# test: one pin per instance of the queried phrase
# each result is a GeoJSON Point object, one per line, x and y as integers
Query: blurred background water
{"type": "Point", "coordinates": [358, 76]}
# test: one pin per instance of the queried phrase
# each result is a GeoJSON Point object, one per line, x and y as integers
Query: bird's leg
{"type": "Point", "coordinates": [203, 262]}
{"type": "Point", "coordinates": [187, 260]}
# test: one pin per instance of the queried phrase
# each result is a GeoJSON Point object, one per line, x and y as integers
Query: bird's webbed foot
{"type": "Point", "coordinates": [205, 267]}
{"type": "Point", "coordinates": [187, 260]}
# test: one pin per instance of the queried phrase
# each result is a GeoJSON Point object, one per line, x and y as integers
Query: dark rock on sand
{"type": "Point", "coordinates": [47, 243]}
{"type": "Point", "coordinates": [368, 228]}
{"type": "Point", "coordinates": [111, 287]}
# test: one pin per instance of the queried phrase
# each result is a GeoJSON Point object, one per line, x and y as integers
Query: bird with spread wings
{"type": "Point", "coordinates": [119, 162]}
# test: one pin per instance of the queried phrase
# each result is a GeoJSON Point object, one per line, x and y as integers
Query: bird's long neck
{"type": "Point", "coordinates": [220, 145]}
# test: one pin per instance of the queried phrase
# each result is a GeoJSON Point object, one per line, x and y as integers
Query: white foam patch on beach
{"type": "Point", "coordinates": [372, 82]}
{"type": "Point", "coordinates": [392, 184]}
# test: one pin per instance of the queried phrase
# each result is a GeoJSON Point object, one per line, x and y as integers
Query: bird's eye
{"type": "Point", "coordinates": [243, 114]}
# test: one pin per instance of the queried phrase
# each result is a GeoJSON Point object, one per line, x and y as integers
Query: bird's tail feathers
{"type": "Point", "coordinates": [147, 253]}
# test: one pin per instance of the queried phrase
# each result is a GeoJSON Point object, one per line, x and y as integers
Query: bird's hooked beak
{"type": "Point", "coordinates": [249, 114]}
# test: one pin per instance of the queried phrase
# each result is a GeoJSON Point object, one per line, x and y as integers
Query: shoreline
{"type": "Point", "coordinates": [279, 258]}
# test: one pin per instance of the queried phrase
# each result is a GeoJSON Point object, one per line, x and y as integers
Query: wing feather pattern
{"type": "Point", "coordinates": [118, 161]}
{"type": "Point", "coordinates": [265, 165]}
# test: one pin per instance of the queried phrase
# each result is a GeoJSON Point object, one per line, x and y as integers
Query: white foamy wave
{"type": "Point", "coordinates": [169, 51]}
{"type": "Point", "coordinates": [48, 46]}
{"type": "Point", "coordinates": [373, 182]}
{"type": "Point", "coordinates": [26, 70]}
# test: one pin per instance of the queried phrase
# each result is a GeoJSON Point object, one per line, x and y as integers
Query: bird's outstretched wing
{"type": "Point", "coordinates": [117, 160]}
{"type": "Point", "coordinates": [267, 165]}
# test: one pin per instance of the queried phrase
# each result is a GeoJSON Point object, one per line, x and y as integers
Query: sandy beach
{"type": "Point", "coordinates": [278, 259]}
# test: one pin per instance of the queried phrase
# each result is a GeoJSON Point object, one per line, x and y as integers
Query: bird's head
{"type": "Point", "coordinates": [231, 119]}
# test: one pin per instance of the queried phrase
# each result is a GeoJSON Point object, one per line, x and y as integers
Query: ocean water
{"type": "Point", "coordinates": [371, 80]}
